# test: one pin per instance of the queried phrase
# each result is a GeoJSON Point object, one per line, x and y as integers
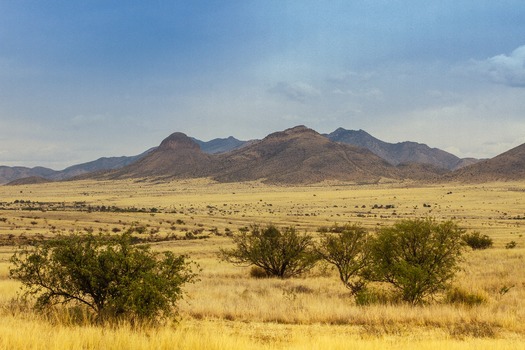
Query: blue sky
{"type": "Point", "coordinates": [81, 80]}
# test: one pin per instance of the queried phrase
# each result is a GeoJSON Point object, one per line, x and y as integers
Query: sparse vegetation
{"type": "Point", "coordinates": [228, 308]}
{"type": "Point", "coordinates": [511, 245]}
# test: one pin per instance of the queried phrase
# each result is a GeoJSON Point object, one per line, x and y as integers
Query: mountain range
{"type": "Point", "coordinates": [296, 155]}
{"type": "Point", "coordinates": [9, 174]}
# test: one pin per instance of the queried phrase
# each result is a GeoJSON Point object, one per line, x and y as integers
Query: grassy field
{"type": "Point", "coordinates": [228, 309]}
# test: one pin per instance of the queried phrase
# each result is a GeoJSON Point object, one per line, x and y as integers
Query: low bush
{"type": "Point", "coordinates": [511, 245]}
{"type": "Point", "coordinates": [457, 295]}
{"type": "Point", "coordinates": [477, 241]}
{"type": "Point", "coordinates": [258, 272]}
{"type": "Point", "coordinates": [374, 296]}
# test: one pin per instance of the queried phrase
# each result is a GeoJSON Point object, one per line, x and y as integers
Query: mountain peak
{"type": "Point", "coordinates": [341, 133]}
{"type": "Point", "coordinates": [398, 153]}
{"type": "Point", "coordinates": [296, 131]}
{"type": "Point", "coordinates": [178, 140]}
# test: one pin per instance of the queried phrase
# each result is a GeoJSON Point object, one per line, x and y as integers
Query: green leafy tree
{"type": "Point", "coordinates": [113, 277]}
{"type": "Point", "coordinates": [345, 248]}
{"type": "Point", "coordinates": [417, 257]}
{"type": "Point", "coordinates": [279, 252]}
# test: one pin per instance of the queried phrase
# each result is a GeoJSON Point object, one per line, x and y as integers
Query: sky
{"type": "Point", "coordinates": [80, 80]}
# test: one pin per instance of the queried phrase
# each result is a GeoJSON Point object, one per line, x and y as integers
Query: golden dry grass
{"type": "Point", "coordinates": [228, 309]}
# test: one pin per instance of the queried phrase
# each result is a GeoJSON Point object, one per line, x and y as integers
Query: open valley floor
{"type": "Point", "coordinates": [228, 309]}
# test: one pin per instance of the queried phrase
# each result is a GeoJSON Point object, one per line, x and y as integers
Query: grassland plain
{"type": "Point", "coordinates": [228, 309]}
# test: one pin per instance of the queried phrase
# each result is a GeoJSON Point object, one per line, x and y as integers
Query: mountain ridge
{"type": "Point", "coordinates": [401, 152]}
{"type": "Point", "coordinates": [507, 166]}
{"type": "Point", "coordinates": [10, 174]}
{"type": "Point", "coordinates": [294, 155]}
{"type": "Point", "coordinates": [297, 155]}
{"type": "Point", "coordinates": [220, 145]}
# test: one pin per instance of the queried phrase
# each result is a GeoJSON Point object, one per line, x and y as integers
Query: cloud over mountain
{"type": "Point", "coordinates": [505, 69]}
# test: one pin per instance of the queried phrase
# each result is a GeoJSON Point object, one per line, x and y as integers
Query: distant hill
{"type": "Point", "coordinates": [402, 152]}
{"type": "Point", "coordinates": [9, 174]}
{"type": "Point", "coordinates": [178, 156]}
{"type": "Point", "coordinates": [28, 181]}
{"type": "Point", "coordinates": [504, 167]}
{"type": "Point", "coordinates": [104, 163]}
{"type": "Point", "coordinates": [220, 145]}
{"type": "Point", "coordinates": [301, 155]}
{"type": "Point", "coordinates": [421, 172]}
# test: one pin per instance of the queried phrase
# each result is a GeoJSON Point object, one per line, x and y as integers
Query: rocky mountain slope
{"type": "Point", "coordinates": [178, 156]}
{"type": "Point", "coordinates": [220, 145]}
{"type": "Point", "coordinates": [402, 152]}
{"type": "Point", "coordinates": [301, 155]}
{"type": "Point", "coordinates": [507, 166]}
{"type": "Point", "coordinates": [294, 156]}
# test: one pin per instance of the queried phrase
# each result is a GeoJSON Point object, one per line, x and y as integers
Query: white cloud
{"type": "Point", "coordinates": [504, 69]}
{"type": "Point", "coordinates": [297, 91]}
{"type": "Point", "coordinates": [81, 119]}
{"type": "Point", "coordinates": [466, 129]}
{"type": "Point", "coordinates": [360, 93]}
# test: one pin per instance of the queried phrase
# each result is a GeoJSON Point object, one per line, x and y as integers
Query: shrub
{"type": "Point", "coordinates": [345, 248]}
{"type": "Point", "coordinates": [279, 252]}
{"type": "Point", "coordinates": [511, 245]}
{"type": "Point", "coordinates": [477, 241]}
{"type": "Point", "coordinates": [370, 296]}
{"type": "Point", "coordinates": [115, 279]}
{"type": "Point", "coordinates": [459, 296]}
{"type": "Point", "coordinates": [258, 272]}
{"type": "Point", "coordinates": [417, 257]}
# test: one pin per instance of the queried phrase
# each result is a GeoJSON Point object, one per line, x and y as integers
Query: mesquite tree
{"type": "Point", "coordinates": [345, 248]}
{"type": "Point", "coordinates": [113, 277]}
{"type": "Point", "coordinates": [280, 252]}
{"type": "Point", "coordinates": [417, 257]}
